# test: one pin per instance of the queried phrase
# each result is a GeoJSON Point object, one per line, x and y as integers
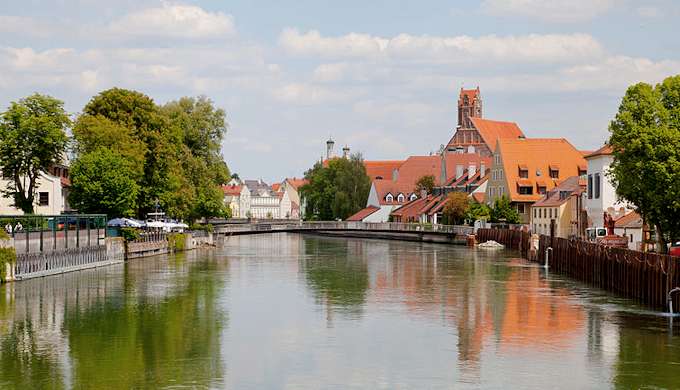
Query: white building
{"type": "Point", "coordinates": [237, 197]}
{"type": "Point", "coordinates": [600, 194]}
{"type": "Point", "coordinates": [49, 198]}
{"type": "Point", "coordinates": [630, 226]}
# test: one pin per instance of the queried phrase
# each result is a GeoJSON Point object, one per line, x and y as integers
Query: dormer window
{"type": "Point", "coordinates": [523, 172]}
{"type": "Point", "coordinates": [541, 189]}
{"type": "Point", "coordinates": [413, 197]}
{"type": "Point", "coordinates": [389, 198]}
{"type": "Point", "coordinates": [525, 187]}
{"type": "Point", "coordinates": [554, 171]}
{"type": "Point", "coordinates": [401, 198]}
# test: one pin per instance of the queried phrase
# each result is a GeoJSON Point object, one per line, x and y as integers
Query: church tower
{"type": "Point", "coordinates": [469, 105]}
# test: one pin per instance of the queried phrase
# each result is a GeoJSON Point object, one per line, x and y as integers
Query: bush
{"type": "Point", "coordinates": [129, 233]}
{"type": "Point", "coordinates": [7, 256]}
{"type": "Point", "coordinates": [201, 227]}
{"type": "Point", "coordinates": [177, 241]}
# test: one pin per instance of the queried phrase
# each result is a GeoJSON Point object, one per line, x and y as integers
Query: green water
{"type": "Point", "coordinates": [301, 312]}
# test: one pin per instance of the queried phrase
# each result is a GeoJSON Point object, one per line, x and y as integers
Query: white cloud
{"type": "Point", "coordinates": [457, 49]}
{"type": "Point", "coordinates": [306, 94]}
{"type": "Point", "coordinates": [175, 20]}
{"type": "Point", "coordinates": [562, 11]}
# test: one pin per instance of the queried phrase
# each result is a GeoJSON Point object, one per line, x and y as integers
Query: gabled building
{"type": "Point", "coordinates": [525, 169]}
{"type": "Point", "coordinates": [49, 196]}
{"type": "Point", "coordinates": [601, 196]}
{"type": "Point", "coordinates": [632, 227]}
{"type": "Point", "coordinates": [563, 206]}
{"type": "Point", "coordinates": [237, 197]}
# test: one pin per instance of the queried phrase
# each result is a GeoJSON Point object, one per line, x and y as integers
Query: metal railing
{"type": "Point", "coordinates": [46, 233]}
{"type": "Point", "coordinates": [344, 225]}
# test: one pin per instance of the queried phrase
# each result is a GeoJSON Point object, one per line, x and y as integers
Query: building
{"type": "Point", "coordinates": [292, 187]}
{"type": "Point", "coordinates": [237, 197]}
{"type": "Point", "coordinates": [455, 171]}
{"type": "Point", "coordinates": [563, 207]}
{"type": "Point", "coordinates": [631, 226]}
{"type": "Point", "coordinates": [601, 195]}
{"type": "Point", "coordinates": [525, 169]}
{"type": "Point", "coordinates": [49, 197]}
{"type": "Point", "coordinates": [475, 134]}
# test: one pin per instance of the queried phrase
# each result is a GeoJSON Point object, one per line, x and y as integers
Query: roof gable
{"type": "Point", "coordinates": [491, 131]}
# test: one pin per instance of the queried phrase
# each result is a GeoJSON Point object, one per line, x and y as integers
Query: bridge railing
{"type": "Point", "coordinates": [345, 225]}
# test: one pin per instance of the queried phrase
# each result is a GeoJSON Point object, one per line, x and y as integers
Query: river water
{"type": "Point", "coordinates": [286, 311]}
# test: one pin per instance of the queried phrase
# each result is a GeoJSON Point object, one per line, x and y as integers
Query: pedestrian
{"type": "Point", "coordinates": [18, 227]}
{"type": "Point", "coordinates": [8, 228]}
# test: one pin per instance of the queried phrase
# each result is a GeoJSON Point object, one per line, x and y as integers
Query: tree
{"type": "Point", "coordinates": [425, 183]}
{"type": "Point", "coordinates": [32, 138]}
{"type": "Point", "coordinates": [111, 190]}
{"type": "Point", "coordinates": [645, 135]}
{"type": "Point", "coordinates": [336, 190]}
{"type": "Point", "coordinates": [503, 211]}
{"type": "Point", "coordinates": [456, 207]}
{"type": "Point", "coordinates": [477, 211]}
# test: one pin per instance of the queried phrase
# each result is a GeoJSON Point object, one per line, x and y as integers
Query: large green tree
{"type": "Point", "coordinates": [172, 152]}
{"type": "Point", "coordinates": [32, 138]}
{"type": "Point", "coordinates": [456, 207]}
{"type": "Point", "coordinates": [103, 182]}
{"type": "Point", "coordinates": [645, 139]}
{"type": "Point", "coordinates": [337, 189]}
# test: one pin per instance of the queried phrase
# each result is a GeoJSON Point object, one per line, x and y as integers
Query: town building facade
{"type": "Point", "coordinates": [601, 194]}
{"type": "Point", "coordinates": [49, 197]}
{"type": "Point", "coordinates": [561, 209]}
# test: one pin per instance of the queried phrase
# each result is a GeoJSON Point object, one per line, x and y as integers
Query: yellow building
{"type": "Point", "coordinates": [563, 206]}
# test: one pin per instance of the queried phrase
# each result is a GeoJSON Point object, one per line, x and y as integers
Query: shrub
{"type": "Point", "coordinates": [177, 241]}
{"type": "Point", "coordinates": [129, 234]}
{"type": "Point", "coordinates": [7, 256]}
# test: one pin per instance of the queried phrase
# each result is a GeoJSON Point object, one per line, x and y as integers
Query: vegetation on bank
{"type": "Point", "coordinates": [7, 256]}
{"type": "Point", "coordinates": [645, 142]}
{"type": "Point", "coordinates": [336, 189]}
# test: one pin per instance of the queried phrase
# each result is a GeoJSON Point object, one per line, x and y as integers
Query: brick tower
{"type": "Point", "coordinates": [469, 105]}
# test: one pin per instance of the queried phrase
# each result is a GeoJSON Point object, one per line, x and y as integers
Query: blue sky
{"type": "Point", "coordinates": [380, 76]}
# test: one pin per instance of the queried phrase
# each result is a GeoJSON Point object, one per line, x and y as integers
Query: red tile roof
{"type": "Point", "coordinates": [276, 186]}
{"type": "Point", "coordinates": [471, 94]}
{"type": "Point", "coordinates": [363, 213]}
{"type": "Point", "coordinates": [382, 169]}
{"type": "Point", "coordinates": [537, 154]}
{"type": "Point", "coordinates": [492, 131]}
{"type": "Point", "coordinates": [630, 220]}
{"type": "Point", "coordinates": [297, 183]}
{"type": "Point", "coordinates": [231, 190]}
{"type": "Point", "coordinates": [603, 151]}
{"type": "Point", "coordinates": [552, 198]}
{"type": "Point", "coordinates": [479, 197]}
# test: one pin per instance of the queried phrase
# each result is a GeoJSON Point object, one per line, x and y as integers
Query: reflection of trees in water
{"type": "Point", "coordinates": [113, 335]}
{"type": "Point", "coordinates": [648, 356]}
{"type": "Point", "coordinates": [338, 275]}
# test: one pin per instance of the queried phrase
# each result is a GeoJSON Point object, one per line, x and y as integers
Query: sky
{"type": "Point", "coordinates": [380, 76]}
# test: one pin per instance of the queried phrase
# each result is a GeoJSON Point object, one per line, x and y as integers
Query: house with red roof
{"type": "Point", "coordinates": [563, 206]}
{"type": "Point", "coordinates": [632, 227]}
{"type": "Point", "coordinates": [601, 194]}
{"type": "Point", "coordinates": [237, 198]}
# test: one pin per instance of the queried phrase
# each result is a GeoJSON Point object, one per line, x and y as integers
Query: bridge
{"type": "Point", "coordinates": [385, 230]}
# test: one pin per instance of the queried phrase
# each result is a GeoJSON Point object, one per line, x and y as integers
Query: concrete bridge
{"type": "Point", "coordinates": [385, 230]}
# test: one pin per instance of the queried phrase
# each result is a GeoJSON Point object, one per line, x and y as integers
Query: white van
{"type": "Point", "coordinates": [593, 233]}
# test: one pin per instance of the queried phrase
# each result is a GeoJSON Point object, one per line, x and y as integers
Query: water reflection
{"type": "Point", "coordinates": [144, 326]}
{"type": "Point", "coordinates": [277, 311]}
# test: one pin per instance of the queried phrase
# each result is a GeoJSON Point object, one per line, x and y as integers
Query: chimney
{"type": "Point", "coordinates": [443, 175]}
{"type": "Point", "coordinates": [395, 175]}
{"type": "Point", "coordinates": [345, 152]}
{"type": "Point", "coordinates": [459, 171]}
{"type": "Point", "coordinates": [329, 148]}
{"type": "Point", "coordinates": [472, 170]}
{"type": "Point", "coordinates": [482, 168]}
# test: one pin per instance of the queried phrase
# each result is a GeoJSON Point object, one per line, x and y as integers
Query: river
{"type": "Point", "coordinates": [287, 311]}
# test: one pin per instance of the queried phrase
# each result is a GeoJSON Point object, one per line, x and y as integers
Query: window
{"type": "Point", "coordinates": [523, 173]}
{"type": "Point", "coordinates": [554, 173]}
{"type": "Point", "coordinates": [526, 190]}
{"type": "Point", "coordinates": [550, 213]}
{"type": "Point", "coordinates": [542, 190]}
{"type": "Point", "coordinates": [413, 197]}
{"type": "Point", "coordinates": [534, 216]}
{"type": "Point", "coordinates": [590, 186]}
{"type": "Point", "coordinates": [389, 198]}
{"type": "Point", "coordinates": [400, 198]}
{"type": "Point", "coordinates": [44, 199]}
{"type": "Point", "coordinates": [597, 186]}
{"type": "Point", "coordinates": [520, 208]}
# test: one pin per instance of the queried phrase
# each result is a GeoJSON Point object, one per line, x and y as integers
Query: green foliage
{"type": "Point", "coordinates": [425, 183]}
{"type": "Point", "coordinates": [7, 256]}
{"type": "Point", "coordinates": [32, 138]}
{"type": "Point", "coordinates": [112, 191]}
{"type": "Point", "coordinates": [337, 190]}
{"type": "Point", "coordinates": [477, 211]}
{"type": "Point", "coordinates": [177, 241]}
{"type": "Point", "coordinates": [129, 233]}
{"type": "Point", "coordinates": [202, 227]}
{"type": "Point", "coordinates": [503, 211]}
{"type": "Point", "coordinates": [456, 207]}
{"type": "Point", "coordinates": [172, 153]}
{"type": "Point", "coordinates": [645, 135]}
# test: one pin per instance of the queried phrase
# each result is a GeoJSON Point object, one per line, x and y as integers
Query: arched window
{"type": "Point", "coordinates": [401, 198]}
{"type": "Point", "coordinates": [413, 197]}
{"type": "Point", "coordinates": [389, 198]}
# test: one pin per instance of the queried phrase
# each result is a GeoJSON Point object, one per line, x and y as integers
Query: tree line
{"type": "Point", "coordinates": [130, 155]}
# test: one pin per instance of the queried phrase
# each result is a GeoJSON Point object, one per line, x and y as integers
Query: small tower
{"type": "Point", "coordinates": [329, 148]}
{"type": "Point", "coordinates": [469, 105]}
{"type": "Point", "coordinates": [345, 152]}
